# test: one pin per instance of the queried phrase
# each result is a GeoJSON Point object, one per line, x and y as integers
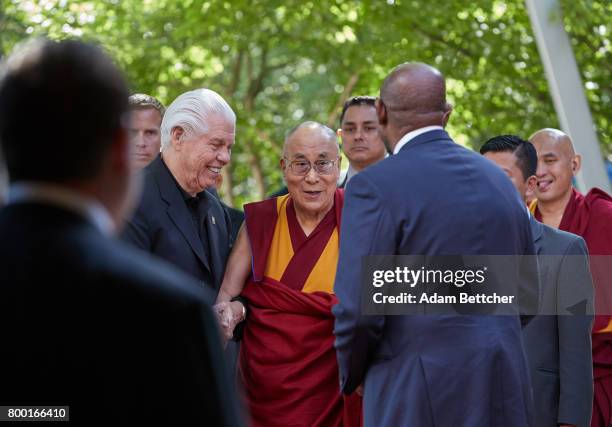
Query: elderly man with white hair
{"type": "Point", "coordinates": [178, 220]}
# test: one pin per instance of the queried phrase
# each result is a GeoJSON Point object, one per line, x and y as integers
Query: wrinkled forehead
{"type": "Point", "coordinates": [311, 144]}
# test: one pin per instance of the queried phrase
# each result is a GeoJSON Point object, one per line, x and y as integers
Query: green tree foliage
{"type": "Point", "coordinates": [281, 62]}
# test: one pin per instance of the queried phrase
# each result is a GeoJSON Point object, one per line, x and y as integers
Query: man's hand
{"type": "Point", "coordinates": [359, 390]}
{"type": "Point", "coordinates": [229, 314]}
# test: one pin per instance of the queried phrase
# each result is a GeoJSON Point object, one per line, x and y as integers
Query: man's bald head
{"type": "Point", "coordinates": [553, 137]}
{"type": "Point", "coordinates": [415, 93]}
{"type": "Point", "coordinates": [412, 96]}
{"type": "Point", "coordinates": [311, 130]}
{"type": "Point", "coordinates": [558, 163]}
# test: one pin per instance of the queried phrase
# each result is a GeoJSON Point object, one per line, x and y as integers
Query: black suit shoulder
{"type": "Point", "coordinates": [150, 216]}
{"type": "Point", "coordinates": [163, 225]}
{"type": "Point", "coordinates": [103, 328]}
{"type": "Point", "coordinates": [236, 218]}
{"type": "Point", "coordinates": [148, 275]}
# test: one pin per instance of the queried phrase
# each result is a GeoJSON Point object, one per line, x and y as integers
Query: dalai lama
{"type": "Point", "coordinates": [288, 252]}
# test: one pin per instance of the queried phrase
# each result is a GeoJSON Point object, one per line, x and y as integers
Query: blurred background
{"type": "Point", "coordinates": [282, 62]}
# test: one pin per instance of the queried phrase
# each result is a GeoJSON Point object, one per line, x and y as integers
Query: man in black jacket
{"type": "Point", "coordinates": [86, 321]}
{"type": "Point", "coordinates": [178, 219]}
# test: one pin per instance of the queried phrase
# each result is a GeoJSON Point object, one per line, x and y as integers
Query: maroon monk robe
{"type": "Point", "coordinates": [287, 361]}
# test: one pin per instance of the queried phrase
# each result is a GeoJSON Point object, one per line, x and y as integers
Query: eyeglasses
{"type": "Point", "coordinates": [302, 167]}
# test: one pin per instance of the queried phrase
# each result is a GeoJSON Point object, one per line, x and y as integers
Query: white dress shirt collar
{"type": "Point", "coordinates": [87, 207]}
{"type": "Point", "coordinates": [351, 172]}
{"type": "Point", "coordinates": [413, 134]}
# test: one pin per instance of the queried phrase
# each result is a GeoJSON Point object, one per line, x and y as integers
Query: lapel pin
{"type": "Point", "coordinates": [212, 218]}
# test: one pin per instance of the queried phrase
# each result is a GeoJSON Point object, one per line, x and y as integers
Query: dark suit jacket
{"type": "Point", "coordinates": [236, 217]}
{"type": "Point", "coordinates": [431, 370]}
{"type": "Point", "coordinates": [163, 226]}
{"type": "Point", "coordinates": [559, 347]}
{"type": "Point", "coordinates": [92, 323]}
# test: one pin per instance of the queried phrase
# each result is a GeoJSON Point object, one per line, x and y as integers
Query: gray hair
{"type": "Point", "coordinates": [190, 111]}
{"type": "Point", "coordinates": [140, 101]}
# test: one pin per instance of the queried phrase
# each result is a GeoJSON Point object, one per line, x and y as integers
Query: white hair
{"type": "Point", "coordinates": [190, 111]}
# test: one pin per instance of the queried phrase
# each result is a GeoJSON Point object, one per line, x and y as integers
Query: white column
{"type": "Point", "coordinates": [567, 90]}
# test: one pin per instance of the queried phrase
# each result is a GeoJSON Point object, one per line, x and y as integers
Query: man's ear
{"type": "Point", "coordinates": [576, 164]}
{"type": "Point", "coordinates": [447, 113]}
{"type": "Point", "coordinates": [177, 136]}
{"type": "Point", "coordinates": [532, 182]}
{"type": "Point", "coordinates": [381, 112]}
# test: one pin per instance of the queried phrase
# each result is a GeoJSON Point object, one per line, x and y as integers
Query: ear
{"type": "Point", "coordinates": [447, 113]}
{"type": "Point", "coordinates": [177, 136]}
{"type": "Point", "coordinates": [283, 164]}
{"type": "Point", "coordinates": [381, 112]}
{"type": "Point", "coordinates": [576, 164]}
{"type": "Point", "coordinates": [532, 182]}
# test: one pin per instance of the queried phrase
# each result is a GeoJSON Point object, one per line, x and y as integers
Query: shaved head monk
{"type": "Point", "coordinates": [558, 163]}
{"type": "Point", "coordinates": [283, 267]}
{"type": "Point", "coordinates": [561, 206]}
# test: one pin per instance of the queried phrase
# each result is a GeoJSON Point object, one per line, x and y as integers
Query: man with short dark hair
{"type": "Point", "coordinates": [146, 117]}
{"type": "Point", "coordinates": [558, 348]}
{"type": "Point", "coordinates": [361, 142]}
{"type": "Point", "coordinates": [87, 321]}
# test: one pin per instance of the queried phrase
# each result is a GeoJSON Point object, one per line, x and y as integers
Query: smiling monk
{"type": "Point", "coordinates": [287, 362]}
{"type": "Point", "coordinates": [559, 205]}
